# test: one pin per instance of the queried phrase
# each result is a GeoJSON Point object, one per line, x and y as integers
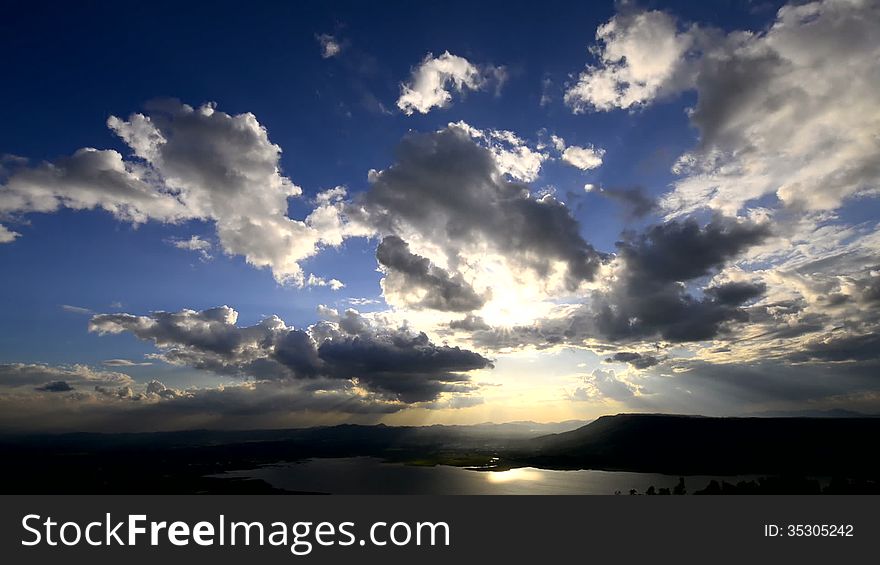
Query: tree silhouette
{"type": "Point", "coordinates": [679, 488]}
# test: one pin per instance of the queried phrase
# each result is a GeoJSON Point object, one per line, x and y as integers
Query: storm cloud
{"type": "Point", "coordinates": [651, 298]}
{"type": "Point", "coordinates": [394, 364]}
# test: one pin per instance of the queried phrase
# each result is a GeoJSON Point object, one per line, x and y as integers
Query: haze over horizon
{"type": "Point", "coordinates": [292, 215]}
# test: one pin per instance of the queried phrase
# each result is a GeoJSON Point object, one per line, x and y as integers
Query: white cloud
{"type": "Point", "coordinates": [558, 143]}
{"type": "Point", "coordinates": [195, 244]}
{"type": "Point", "coordinates": [330, 46]}
{"type": "Point", "coordinates": [189, 163]}
{"type": "Point", "coordinates": [447, 198]}
{"type": "Point", "coordinates": [433, 81]}
{"type": "Point", "coordinates": [89, 179]}
{"type": "Point", "coordinates": [640, 55]}
{"type": "Point", "coordinates": [584, 158]}
{"type": "Point", "coordinates": [363, 301]}
{"type": "Point", "coordinates": [790, 112]}
{"type": "Point", "coordinates": [334, 284]}
{"type": "Point", "coordinates": [76, 309]}
{"type": "Point", "coordinates": [7, 235]}
{"type": "Point", "coordinates": [607, 385]}
{"type": "Point", "coordinates": [331, 195]}
{"type": "Point", "coordinates": [512, 154]}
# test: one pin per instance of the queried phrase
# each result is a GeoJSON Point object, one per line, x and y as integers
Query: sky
{"type": "Point", "coordinates": [292, 214]}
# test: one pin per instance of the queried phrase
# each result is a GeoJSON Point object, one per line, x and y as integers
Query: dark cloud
{"type": "Point", "coordinates": [296, 350]}
{"type": "Point", "coordinates": [212, 330]}
{"type": "Point", "coordinates": [637, 360]}
{"type": "Point", "coordinates": [682, 250]}
{"type": "Point", "coordinates": [727, 389]}
{"type": "Point", "coordinates": [391, 363]}
{"type": "Point", "coordinates": [651, 299]}
{"type": "Point", "coordinates": [469, 323]}
{"type": "Point", "coordinates": [840, 348]}
{"type": "Point", "coordinates": [408, 273]}
{"type": "Point", "coordinates": [637, 202]}
{"type": "Point", "coordinates": [728, 86]}
{"type": "Point", "coordinates": [871, 288]}
{"type": "Point", "coordinates": [55, 386]}
{"type": "Point", "coordinates": [649, 296]}
{"type": "Point", "coordinates": [13, 375]}
{"type": "Point", "coordinates": [409, 368]}
{"type": "Point", "coordinates": [736, 293]}
{"type": "Point", "coordinates": [448, 190]}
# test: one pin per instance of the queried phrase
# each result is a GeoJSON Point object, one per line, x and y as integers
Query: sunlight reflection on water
{"type": "Point", "coordinates": [523, 474]}
{"type": "Point", "coordinates": [367, 475]}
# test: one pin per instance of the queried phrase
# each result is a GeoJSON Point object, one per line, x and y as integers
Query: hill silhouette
{"type": "Point", "coordinates": [189, 461]}
{"type": "Point", "coordinates": [711, 446]}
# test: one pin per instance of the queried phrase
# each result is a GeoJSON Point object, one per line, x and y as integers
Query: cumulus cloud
{"type": "Point", "coordinates": [411, 280]}
{"type": "Point", "coordinates": [350, 351]}
{"type": "Point", "coordinates": [435, 78]}
{"type": "Point", "coordinates": [188, 163]}
{"type": "Point", "coordinates": [640, 56]}
{"type": "Point", "coordinates": [787, 112]}
{"type": "Point", "coordinates": [7, 235]}
{"type": "Point", "coordinates": [584, 158]}
{"type": "Point", "coordinates": [333, 284]}
{"type": "Point", "coordinates": [447, 192]}
{"type": "Point", "coordinates": [513, 155]}
{"type": "Point", "coordinates": [649, 297]}
{"type": "Point", "coordinates": [652, 291]}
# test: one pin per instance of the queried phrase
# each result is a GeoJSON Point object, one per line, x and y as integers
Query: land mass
{"type": "Point", "coordinates": [842, 448]}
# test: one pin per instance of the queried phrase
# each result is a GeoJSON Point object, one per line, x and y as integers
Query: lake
{"type": "Point", "coordinates": [368, 475]}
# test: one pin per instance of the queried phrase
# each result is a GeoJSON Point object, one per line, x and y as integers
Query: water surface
{"type": "Point", "coordinates": [369, 475]}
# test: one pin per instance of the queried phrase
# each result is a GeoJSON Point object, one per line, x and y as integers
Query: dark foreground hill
{"type": "Point", "coordinates": [188, 462]}
{"type": "Point", "coordinates": [185, 461]}
{"type": "Point", "coordinates": [712, 446]}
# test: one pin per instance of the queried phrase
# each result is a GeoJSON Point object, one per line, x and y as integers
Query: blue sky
{"type": "Point", "coordinates": [68, 68]}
